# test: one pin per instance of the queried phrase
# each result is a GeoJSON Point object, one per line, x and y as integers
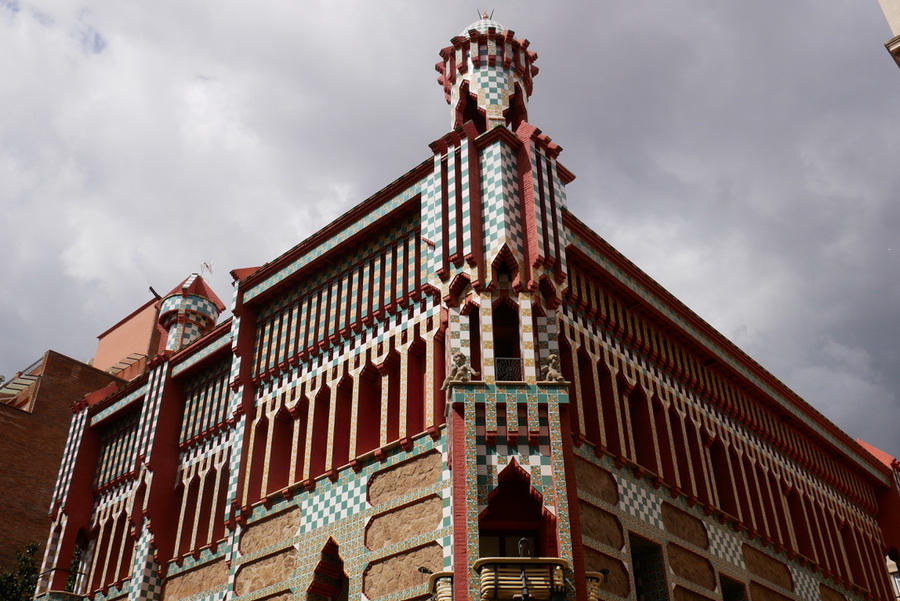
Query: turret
{"type": "Point", "coordinates": [188, 312]}
{"type": "Point", "coordinates": [487, 76]}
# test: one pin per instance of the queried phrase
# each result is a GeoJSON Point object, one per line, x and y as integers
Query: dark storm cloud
{"type": "Point", "coordinates": [743, 154]}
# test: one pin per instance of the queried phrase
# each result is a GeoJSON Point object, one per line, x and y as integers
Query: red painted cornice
{"type": "Point", "coordinates": [734, 352]}
{"type": "Point", "coordinates": [339, 224]}
{"type": "Point", "coordinates": [204, 341]}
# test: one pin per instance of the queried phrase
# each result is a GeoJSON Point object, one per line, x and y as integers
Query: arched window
{"type": "Point", "coordinates": [329, 579]}
{"type": "Point", "coordinates": [507, 343]}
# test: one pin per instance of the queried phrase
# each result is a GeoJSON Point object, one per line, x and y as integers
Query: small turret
{"type": "Point", "coordinates": [188, 312]}
{"type": "Point", "coordinates": [487, 76]}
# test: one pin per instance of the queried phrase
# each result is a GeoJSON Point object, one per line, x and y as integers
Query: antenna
{"type": "Point", "coordinates": [207, 267]}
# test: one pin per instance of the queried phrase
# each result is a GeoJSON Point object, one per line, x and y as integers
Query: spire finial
{"type": "Point", "coordinates": [491, 86]}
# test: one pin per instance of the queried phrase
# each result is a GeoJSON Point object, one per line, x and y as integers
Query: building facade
{"type": "Point", "coordinates": [458, 389]}
{"type": "Point", "coordinates": [891, 9]}
{"type": "Point", "coordinates": [35, 411]}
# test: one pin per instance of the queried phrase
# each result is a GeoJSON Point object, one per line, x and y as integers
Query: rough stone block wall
{"type": "Point", "coordinates": [596, 481]}
{"type": "Point", "coordinates": [193, 582]}
{"type": "Point", "coordinates": [683, 594]}
{"type": "Point", "coordinates": [601, 525]}
{"type": "Point", "coordinates": [691, 566]}
{"type": "Point", "coordinates": [768, 568]}
{"type": "Point", "coordinates": [405, 478]}
{"type": "Point", "coordinates": [266, 572]}
{"type": "Point", "coordinates": [684, 526]}
{"type": "Point", "coordinates": [595, 561]}
{"type": "Point", "coordinates": [619, 502]}
{"type": "Point", "coordinates": [829, 594]}
{"type": "Point", "coordinates": [390, 527]}
{"type": "Point", "coordinates": [404, 523]}
{"type": "Point", "coordinates": [400, 572]}
{"type": "Point", "coordinates": [759, 592]}
{"type": "Point", "coordinates": [268, 532]}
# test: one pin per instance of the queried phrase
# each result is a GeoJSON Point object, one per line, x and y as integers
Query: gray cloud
{"type": "Point", "coordinates": [743, 154]}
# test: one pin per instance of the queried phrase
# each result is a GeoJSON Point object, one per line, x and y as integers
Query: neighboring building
{"type": "Point", "coordinates": [331, 441]}
{"type": "Point", "coordinates": [35, 412]}
{"type": "Point", "coordinates": [891, 9]}
{"type": "Point", "coordinates": [890, 498]}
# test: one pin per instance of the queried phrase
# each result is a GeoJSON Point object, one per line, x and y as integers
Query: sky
{"type": "Point", "coordinates": [744, 154]}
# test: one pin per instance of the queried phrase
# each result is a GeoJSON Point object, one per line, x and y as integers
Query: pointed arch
{"type": "Point", "coordinates": [467, 109]}
{"type": "Point", "coordinates": [517, 111]}
{"type": "Point", "coordinates": [642, 438]}
{"type": "Point", "coordinates": [390, 369]}
{"type": "Point", "coordinates": [342, 415]}
{"type": "Point", "coordinates": [516, 510]}
{"type": "Point", "coordinates": [320, 434]}
{"type": "Point", "coordinates": [505, 262]}
{"type": "Point", "coordinates": [415, 387]}
{"type": "Point", "coordinates": [457, 288]}
{"type": "Point", "coordinates": [329, 578]}
{"type": "Point", "coordinates": [368, 416]}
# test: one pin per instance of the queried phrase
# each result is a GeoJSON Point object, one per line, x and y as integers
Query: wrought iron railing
{"type": "Point", "coordinates": [508, 369]}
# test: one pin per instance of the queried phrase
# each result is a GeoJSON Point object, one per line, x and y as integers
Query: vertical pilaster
{"type": "Point", "coordinates": [146, 584]}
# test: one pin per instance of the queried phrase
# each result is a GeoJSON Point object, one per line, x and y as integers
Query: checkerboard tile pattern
{"type": "Point", "coordinates": [560, 194]}
{"type": "Point", "coordinates": [465, 184]}
{"type": "Point", "coordinates": [150, 410]}
{"type": "Point", "coordinates": [492, 459]}
{"type": "Point", "coordinates": [199, 356]}
{"type": "Point", "coordinates": [146, 585]}
{"type": "Point", "coordinates": [725, 545]}
{"type": "Point", "coordinates": [494, 86]}
{"type": "Point", "coordinates": [431, 221]}
{"type": "Point", "coordinates": [334, 503]}
{"type": "Point", "coordinates": [640, 502]}
{"type": "Point", "coordinates": [805, 585]}
{"type": "Point", "coordinates": [335, 240]}
{"type": "Point", "coordinates": [451, 203]}
{"type": "Point", "coordinates": [73, 441]}
{"type": "Point", "coordinates": [502, 219]}
{"type": "Point", "coordinates": [120, 404]}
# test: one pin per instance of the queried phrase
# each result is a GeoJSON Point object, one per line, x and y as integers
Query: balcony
{"type": "Point", "coordinates": [441, 586]}
{"type": "Point", "coordinates": [595, 580]}
{"type": "Point", "coordinates": [508, 369]}
{"type": "Point", "coordinates": [538, 579]}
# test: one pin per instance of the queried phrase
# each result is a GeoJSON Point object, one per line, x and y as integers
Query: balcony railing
{"type": "Point", "coordinates": [508, 369]}
{"type": "Point", "coordinates": [441, 586]}
{"type": "Point", "coordinates": [538, 579]}
{"type": "Point", "coordinates": [595, 580]}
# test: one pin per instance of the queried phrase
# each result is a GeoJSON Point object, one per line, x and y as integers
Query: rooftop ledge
{"type": "Point", "coordinates": [893, 46]}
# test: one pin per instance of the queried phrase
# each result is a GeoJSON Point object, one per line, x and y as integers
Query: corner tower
{"type": "Point", "coordinates": [492, 219]}
{"type": "Point", "coordinates": [188, 312]}
{"type": "Point", "coordinates": [487, 75]}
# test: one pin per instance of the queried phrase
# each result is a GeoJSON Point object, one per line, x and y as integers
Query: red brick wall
{"type": "Point", "coordinates": [31, 448]}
